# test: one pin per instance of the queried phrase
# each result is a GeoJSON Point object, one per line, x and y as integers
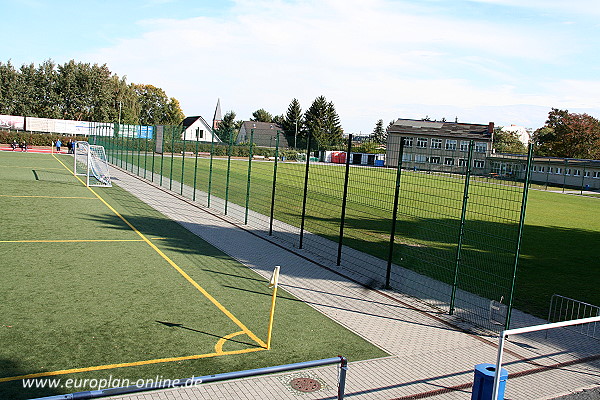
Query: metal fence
{"type": "Point", "coordinates": [564, 309]}
{"type": "Point", "coordinates": [435, 225]}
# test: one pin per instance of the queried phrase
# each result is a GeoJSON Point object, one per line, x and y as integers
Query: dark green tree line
{"type": "Point", "coordinates": [82, 91]}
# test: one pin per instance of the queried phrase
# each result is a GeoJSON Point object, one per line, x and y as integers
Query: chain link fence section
{"type": "Point", "coordinates": [435, 224]}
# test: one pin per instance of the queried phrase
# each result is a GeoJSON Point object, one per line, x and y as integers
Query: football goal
{"type": "Point", "coordinates": [90, 161]}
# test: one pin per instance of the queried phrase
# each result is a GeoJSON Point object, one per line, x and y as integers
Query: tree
{"type": "Point", "coordinates": [81, 91]}
{"type": "Point", "coordinates": [333, 126]}
{"type": "Point", "coordinates": [569, 135]}
{"type": "Point", "coordinates": [379, 135]}
{"type": "Point", "coordinates": [321, 121]}
{"type": "Point", "coordinates": [278, 119]}
{"type": "Point", "coordinates": [507, 142]}
{"type": "Point", "coordinates": [261, 116]}
{"type": "Point", "coordinates": [8, 89]}
{"type": "Point", "coordinates": [293, 123]}
{"type": "Point", "coordinates": [156, 108]}
{"type": "Point", "coordinates": [228, 126]}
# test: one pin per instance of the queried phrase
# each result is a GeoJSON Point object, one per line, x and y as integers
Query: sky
{"type": "Point", "coordinates": [477, 61]}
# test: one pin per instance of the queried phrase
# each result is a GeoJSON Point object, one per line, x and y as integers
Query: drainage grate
{"type": "Point", "coordinates": [305, 385]}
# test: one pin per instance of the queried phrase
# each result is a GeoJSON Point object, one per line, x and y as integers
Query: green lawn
{"type": "Point", "coordinates": [78, 304]}
{"type": "Point", "coordinates": [560, 241]}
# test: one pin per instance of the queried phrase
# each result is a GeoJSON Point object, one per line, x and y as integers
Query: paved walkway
{"type": "Point", "coordinates": [431, 354]}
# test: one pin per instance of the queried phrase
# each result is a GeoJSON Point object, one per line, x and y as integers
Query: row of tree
{"type": "Point", "coordinates": [320, 120]}
{"type": "Point", "coordinates": [83, 92]}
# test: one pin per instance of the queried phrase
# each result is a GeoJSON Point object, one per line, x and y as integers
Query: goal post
{"type": "Point", "coordinates": [90, 160]}
{"type": "Point", "coordinates": [518, 331]}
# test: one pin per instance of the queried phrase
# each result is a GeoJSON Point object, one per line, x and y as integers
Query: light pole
{"type": "Point", "coordinates": [296, 134]}
{"type": "Point", "coordinates": [120, 106]}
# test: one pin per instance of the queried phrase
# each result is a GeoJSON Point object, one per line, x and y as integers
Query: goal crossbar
{"type": "Point", "coordinates": [518, 331]}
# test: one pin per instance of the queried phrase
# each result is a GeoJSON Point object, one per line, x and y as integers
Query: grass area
{"type": "Point", "coordinates": [72, 305]}
{"type": "Point", "coordinates": [560, 242]}
{"type": "Point", "coordinates": [560, 250]}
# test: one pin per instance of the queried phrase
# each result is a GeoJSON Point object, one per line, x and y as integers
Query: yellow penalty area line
{"type": "Point", "coordinates": [51, 197]}
{"type": "Point", "coordinates": [131, 364]}
{"type": "Point", "coordinates": [75, 240]}
{"type": "Point", "coordinates": [175, 266]}
{"type": "Point", "coordinates": [36, 168]}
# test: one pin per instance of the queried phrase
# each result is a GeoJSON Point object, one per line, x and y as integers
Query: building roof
{"type": "Point", "coordinates": [188, 121]}
{"type": "Point", "coordinates": [264, 132]}
{"type": "Point", "coordinates": [437, 128]}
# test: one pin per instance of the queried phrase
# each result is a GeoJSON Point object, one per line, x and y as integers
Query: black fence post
{"type": "Point", "coordinates": [303, 218]}
{"type": "Point", "coordinates": [519, 236]}
{"type": "Point", "coordinates": [195, 167]}
{"type": "Point", "coordinates": [228, 169]}
{"type": "Point", "coordinates": [461, 228]}
{"type": "Point", "coordinates": [250, 155]}
{"type": "Point", "coordinates": [388, 273]}
{"type": "Point", "coordinates": [344, 201]}
{"type": "Point", "coordinates": [274, 185]}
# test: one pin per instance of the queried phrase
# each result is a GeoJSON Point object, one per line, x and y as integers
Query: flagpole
{"type": "Point", "coordinates": [274, 283]}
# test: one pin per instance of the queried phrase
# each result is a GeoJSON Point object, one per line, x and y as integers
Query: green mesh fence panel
{"type": "Point", "coordinates": [458, 209]}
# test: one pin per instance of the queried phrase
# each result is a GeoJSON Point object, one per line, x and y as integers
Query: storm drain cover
{"type": "Point", "coordinates": [305, 384]}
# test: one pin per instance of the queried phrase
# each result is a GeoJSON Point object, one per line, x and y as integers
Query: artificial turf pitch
{"type": "Point", "coordinates": [105, 286]}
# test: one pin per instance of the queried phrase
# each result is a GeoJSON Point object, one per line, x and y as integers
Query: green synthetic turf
{"type": "Point", "coordinates": [82, 304]}
{"type": "Point", "coordinates": [560, 242]}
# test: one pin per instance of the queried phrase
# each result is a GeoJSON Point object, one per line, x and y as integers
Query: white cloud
{"type": "Point", "coordinates": [581, 7]}
{"type": "Point", "coordinates": [368, 57]}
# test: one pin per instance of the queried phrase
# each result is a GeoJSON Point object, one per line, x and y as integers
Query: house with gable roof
{"type": "Point", "coordinates": [265, 134]}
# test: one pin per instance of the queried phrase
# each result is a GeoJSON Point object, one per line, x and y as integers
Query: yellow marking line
{"type": "Point", "coordinates": [177, 268]}
{"type": "Point", "coordinates": [52, 197]}
{"type": "Point", "coordinates": [129, 364]}
{"type": "Point", "coordinates": [36, 168]}
{"type": "Point", "coordinates": [71, 241]}
{"type": "Point", "coordinates": [221, 342]}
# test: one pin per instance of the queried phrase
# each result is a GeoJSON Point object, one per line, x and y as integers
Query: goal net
{"type": "Point", "coordinates": [90, 161]}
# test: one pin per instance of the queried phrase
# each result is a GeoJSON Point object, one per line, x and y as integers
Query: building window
{"type": "Point", "coordinates": [420, 158]}
{"type": "Point", "coordinates": [462, 162]}
{"type": "Point", "coordinates": [541, 168]}
{"type": "Point", "coordinates": [406, 157]}
{"type": "Point", "coordinates": [436, 143]}
{"type": "Point", "coordinates": [450, 144]}
{"type": "Point", "coordinates": [567, 171]}
{"type": "Point", "coordinates": [422, 143]}
{"type": "Point", "coordinates": [199, 133]}
{"type": "Point", "coordinates": [448, 161]}
{"type": "Point", "coordinates": [577, 172]}
{"type": "Point", "coordinates": [479, 163]}
{"type": "Point", "coordinates": [596, 174]}
{"type": "Point", "coordinates": [586, 174]}
{"type": "Point", "coordinates": [534, 168]}
{"type": "Point", "coordinates": [480, 147]}
{"type": "Point", "coordinates": [434, 160]}
{"type": "Point", "coordinates": [464, 145]}
{"type": "Point", "coordinates": [408, 141]}
{"type": "Point", "coordinates": [550, 170]}
{"type": "Point", "coordinates": [558, 170]}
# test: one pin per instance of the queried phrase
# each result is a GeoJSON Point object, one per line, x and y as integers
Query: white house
{"type": "Point", "coordinates": [197, 129]}
{"type": "Point", "coordinates": [521, 132]}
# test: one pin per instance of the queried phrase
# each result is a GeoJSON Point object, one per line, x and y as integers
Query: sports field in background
{"type": "Point", "coordinates": [560, 243]}
{"type": "Point", "coordinates": [96, 283]}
